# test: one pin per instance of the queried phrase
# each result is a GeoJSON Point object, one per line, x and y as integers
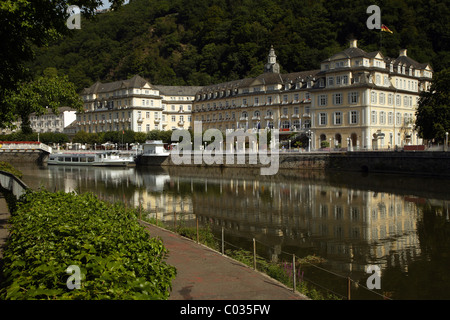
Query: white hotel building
{"type": "Point", "coordinates": [137, 105]}
{"type": "Point", "coordinates": [357, 99]}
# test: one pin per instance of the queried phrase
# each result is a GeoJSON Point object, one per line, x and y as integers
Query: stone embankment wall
{"type": "Point", "coordinates": [30, 156]}
{"type": "Point", "coordinates": [410, 162]}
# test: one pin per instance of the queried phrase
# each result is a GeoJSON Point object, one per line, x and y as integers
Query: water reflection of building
{"type": "Point", "coordinates": [136, 187]}
{"type": "Point", "coordinates": [351, 227]}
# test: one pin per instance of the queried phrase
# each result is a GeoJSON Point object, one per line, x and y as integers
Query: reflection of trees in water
{"type": "Point", "coordinates": [427, 276]}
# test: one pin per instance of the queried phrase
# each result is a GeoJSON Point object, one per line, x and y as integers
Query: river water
{"type": "Point", "coordinates": [398, 223]}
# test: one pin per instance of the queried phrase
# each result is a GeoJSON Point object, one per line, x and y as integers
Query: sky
{"type": "Point", "coordinates": [106, 4]}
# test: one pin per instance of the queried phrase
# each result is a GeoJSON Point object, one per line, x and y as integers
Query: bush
{"type": "Point", "coordinates": [51, 231]}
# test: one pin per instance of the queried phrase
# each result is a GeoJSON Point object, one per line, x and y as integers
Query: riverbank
{"type": "Point", "coordinates": [205, 274]}
{"type": "Point", "coordinates": [435, 163]}
{"type": "Point", "coordinates": [202, 273]}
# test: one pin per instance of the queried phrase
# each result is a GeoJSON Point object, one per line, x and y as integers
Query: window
{"type": "Point", "coordinates": [374, 97]}
{"type": "Point", "coordinates": [330, 81]}
{"type": "Point", "coordinates": [322, 119]}
{"type": "Point", "coordinates": [338, 118]}
{"type": "Point", "coordinates": [323, 100]}
{"type": "Point", "coordinates": [344, 79]}
{"type": "Point", "coordinates": [382, 117]}
{"type": "Point", "coordinates": [353, 117]}
{"type": "Point", "coordinates": [398, 100]}
{"type": "Point", "coordinates": [398, 118]}
{"type": "Point", "coordinates": [353, 97]}
{"type": "Point", "coordinates": [390, 99]}
{"type": "Point", "coordinates": [382, 98]}
{"type": "Point", "coordinates": [174, 118]}
{"type": "Point", "coordinates": [337, 98]}
{"type": "Point", "coordinates": [374, 117]}
{"type": "Point", "coordinates": [390, 118]}
{"type": "Point", "coordinates": [296, 110]}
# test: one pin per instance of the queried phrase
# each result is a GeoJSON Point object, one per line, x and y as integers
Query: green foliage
{"type": "Point", "coordinates": [200, 42]}
{"type": "Point", "coordinates": [433, 113]}
{"type": "Point", "coordinates": [5, 166]}
{"type": "Point", "coordinates": [47, 92]}
{"type": "Point", "coordinates": [45, 137]}
{"type": "Point", "coordinates": [51, 231]}
{"type": "Point", "coordinates": [25, 26]}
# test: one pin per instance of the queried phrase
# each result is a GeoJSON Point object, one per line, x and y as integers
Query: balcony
{"type": "Point", "coordinates": [295, 116]}
{"type": "Point", "coordinates": [140, 120]}
{"type": "Point", "coordinates": [157, 120]}
{"type": "Point", "coordinates": [284, 116]}
{"type": "Point", "coordinates": [306, 115]}
{"type": "Point", "coordinates": [243, 119]}
{"type": "Point", "coordinates": [256, 118]}
{"type": "Point", "coordinates": [269, 117]}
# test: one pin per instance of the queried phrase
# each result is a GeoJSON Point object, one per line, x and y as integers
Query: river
{"type": "Point", "coordinates": [398, 223]}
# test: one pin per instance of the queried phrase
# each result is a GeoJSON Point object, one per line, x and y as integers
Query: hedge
{"type": "Point", "coordinates": [116, 256]}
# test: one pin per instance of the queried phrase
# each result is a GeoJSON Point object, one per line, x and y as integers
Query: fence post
{"type": "Point", "coordinates": [197, 230]}
{"type": "Point", "coordinates": [175, 219]}
{"type": "Point", "coordinates": [348, 287]}
{"type": "Point", "coordinates": [254, 253]}
{"type": "Point", "coordinates": [293, 271]}
{"type": "Point", "coordinates": [223, 241]}
{"type": "Point", "coordinates": [156, 214]}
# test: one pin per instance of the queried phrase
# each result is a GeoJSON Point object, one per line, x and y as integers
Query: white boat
{"type": "Point", "coordinates": [153, 153]}
{"type": "Point", "coordinates": [91, 159]}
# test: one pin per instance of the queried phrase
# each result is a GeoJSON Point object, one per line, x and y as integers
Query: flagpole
{"type": "Point", "coordinates": [381, 38]}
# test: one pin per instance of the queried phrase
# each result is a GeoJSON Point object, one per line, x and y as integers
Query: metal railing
{"type": "Point", "coordinates": [11, 183]}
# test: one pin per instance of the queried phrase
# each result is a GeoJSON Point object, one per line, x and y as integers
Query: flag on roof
{"type": "Point", "coordinates": [386, 29]}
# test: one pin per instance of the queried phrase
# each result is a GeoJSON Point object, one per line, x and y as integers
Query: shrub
{"type": "Point", "coordinates": [51, 231]}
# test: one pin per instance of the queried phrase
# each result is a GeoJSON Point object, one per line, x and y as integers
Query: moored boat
{"type": "Point", "coordinates": [91, 159]}
{"type": "Point", "coordinates": [153, 153]}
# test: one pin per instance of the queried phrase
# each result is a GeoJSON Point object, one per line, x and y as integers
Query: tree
{"type": "Point", "coordinates": [38, 96]}
{"type": "Point", "coordinates": [433, 113]}
{"type": "Point", "coordinates": [26, 25]}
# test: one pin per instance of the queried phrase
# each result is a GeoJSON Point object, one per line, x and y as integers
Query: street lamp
{"type": "Point", "coordinates": [309, 140]}
{"type": "Point", "coordinates": [446, 141]}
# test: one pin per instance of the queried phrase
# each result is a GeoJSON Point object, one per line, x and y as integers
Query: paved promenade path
{"type": "Point", "coordinates": [204, 274]}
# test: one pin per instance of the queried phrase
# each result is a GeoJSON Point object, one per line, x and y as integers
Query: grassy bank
{"type": "Point", "coordinates": [52, 231]}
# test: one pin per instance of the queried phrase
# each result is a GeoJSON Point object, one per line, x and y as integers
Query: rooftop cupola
{"type": "Point", "coordinates": [272, 65]}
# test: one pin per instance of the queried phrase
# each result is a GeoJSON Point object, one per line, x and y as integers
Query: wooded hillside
{"type": "Point", "coordinates": [199, 42]}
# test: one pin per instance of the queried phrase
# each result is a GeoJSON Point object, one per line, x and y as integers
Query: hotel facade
{"type": "Point", "coordinates": [135, 104]}
{"type": "Point", "coordinates": [356, 100]}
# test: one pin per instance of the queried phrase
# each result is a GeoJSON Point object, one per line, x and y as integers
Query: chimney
{"type": "Point", "coordinates": [353, 43]}
{"type": "Point", "coordinates": [403, 52]}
